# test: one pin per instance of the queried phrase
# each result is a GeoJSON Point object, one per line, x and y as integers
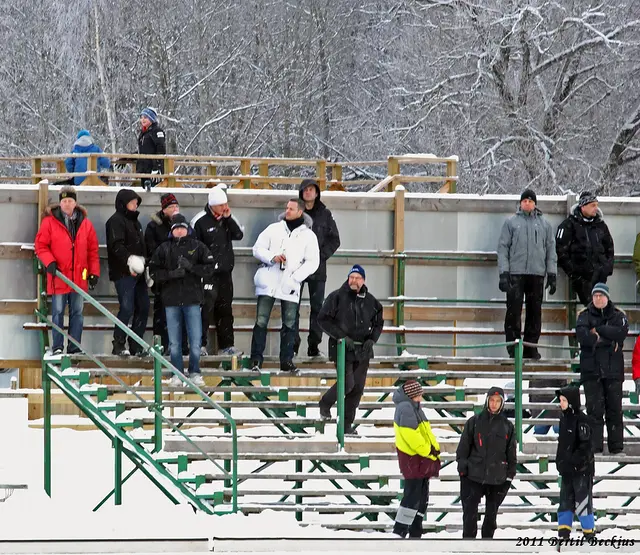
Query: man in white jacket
{"type": "Point", "coordinates": [288, 250]}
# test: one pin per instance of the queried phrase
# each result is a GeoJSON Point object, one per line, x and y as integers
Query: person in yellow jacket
{"type": "Point", "coordinates": [418, 457]}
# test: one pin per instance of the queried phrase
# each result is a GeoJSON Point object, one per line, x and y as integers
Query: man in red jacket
{"type": "Point", "coordinates": [67, 242]}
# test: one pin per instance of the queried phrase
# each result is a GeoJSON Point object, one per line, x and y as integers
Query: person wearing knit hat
{"type": "Point", "coordinates": [84, 145]}
{"type": "Point", "coordinates": [217, 228]}
{"type": "Point", "coordinates": [585, 247]}
{"type": "Point", "coordinates": [156, 233]}
{"type": "Point", "coordinates": [526, 254]}
{"type": "Point", "coordinates": [326, 230]}
{"type": "Point", "coordinates": [179, 266]}
{"type": "Point", "coordinates": [351, 313]}
{"type": "Point", "coordinates": [487, 461]}
{"type": "Point", "coordinates": [151, 141]}
{"type": "Point", "coordinates": [418, 457]}
{"type": "Point", "coordinates": [601, 330]}
{"type": "Point", "coordinates": [66, 243]}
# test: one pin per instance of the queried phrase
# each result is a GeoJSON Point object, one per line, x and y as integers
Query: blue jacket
{"type": "Point", "coordinates": [84, 145]}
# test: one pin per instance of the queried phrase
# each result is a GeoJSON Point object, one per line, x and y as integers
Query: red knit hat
{"type": "Point", "coordinates": [167, 200]}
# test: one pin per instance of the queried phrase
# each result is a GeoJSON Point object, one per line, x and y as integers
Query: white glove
{"type": "Point", "coordinates": [136, 264]}
{"type": "Point", "coordinates": [148, 278]}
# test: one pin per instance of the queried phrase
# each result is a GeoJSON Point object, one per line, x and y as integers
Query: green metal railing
{"type": "Point", "coordinates": [49, 373]}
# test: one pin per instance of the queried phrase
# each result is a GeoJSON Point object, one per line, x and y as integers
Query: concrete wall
{"type": "Point", "coordinates": [432, 223]}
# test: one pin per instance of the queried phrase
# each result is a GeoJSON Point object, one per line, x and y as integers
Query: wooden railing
{"type": "Point", "coordinates": [248, 173]}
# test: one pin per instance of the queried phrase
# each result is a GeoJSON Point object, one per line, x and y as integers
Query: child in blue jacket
{"type": "Point", "coordinates": [84, 144]}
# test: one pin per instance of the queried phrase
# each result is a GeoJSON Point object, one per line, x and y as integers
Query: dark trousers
{"type": "Point", "coordinates": [582, 288]}
{"type": "Point", "coordinates": [604, 402]}
{"type": "Point", "coordinates": [355, 377]}
{"type": "Point", "coordinates": [218, 299]}
{"type": "Point", "coordinates": [134, 304]}
{"type": "Point", "coordinates": [413, 508]}
{"type": "Point", "coordinates": [287, 331]}
{"type": "Point", "coordinates": [531, 290]}
{"type": "Point", "coordinates": [470, 494]}
{"type": "Point", "coordinates": [316, 298]}
{"type": "Point", "coordinates": [76, 320]}
{"type": "Point", "coordinates": [576, 497]}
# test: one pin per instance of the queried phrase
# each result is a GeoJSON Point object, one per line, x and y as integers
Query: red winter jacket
{"type": "Point", "coordinates": [635, 359]}
{"type": "Point", "coordinates": [78, 259]}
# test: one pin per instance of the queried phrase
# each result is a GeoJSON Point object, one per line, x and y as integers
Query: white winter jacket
{"type": "Point", "coordinates": [300, 246]}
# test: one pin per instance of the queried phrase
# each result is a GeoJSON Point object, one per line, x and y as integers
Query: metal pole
{"type": "Point", "coordinates": [117, 445]}
{"type": "Point", "coordinates": [46, 393]}
{"type": "Point", "coordinates": [340, 369]}
{"type": "Point", "coordinates": [518, 368]}
{"type": "Point", "coordinates": [157, 395]}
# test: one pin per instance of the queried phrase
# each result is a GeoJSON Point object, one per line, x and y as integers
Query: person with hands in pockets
{"type": "Point", "coordinates": [418, 458]}
{"type": "Point", "coordinates": [289, 253]}
{"type": "Point", "coordinates": [179, 266]}
{"type": "Point", "coordinates": [575, 463]}
{"type": "Point", "coordinates": [487, 459]}
{"type": "Point", "coordinates": [67, 242]}
{"type": "Point", "coordinates": [126, 255]}
{"type": "Point", "coordinates": [601, 330]}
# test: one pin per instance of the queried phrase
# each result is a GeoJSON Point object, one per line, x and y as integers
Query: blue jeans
{"type": "Point", "coordinates": [58, 303]}
{"type": "Point", "coordinates": [134, 303]}
{"type": "Point", "coordinates": [541, 429]}
{"type": "Point", "coordinates": [287, 331]}
{"type": "Point", "coordinates": [193, 321]}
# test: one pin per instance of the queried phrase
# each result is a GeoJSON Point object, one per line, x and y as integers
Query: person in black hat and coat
{"type": "Point", "coordinates": [326, 230]}
{"type": "Point", "coordinates": [585, 247]}
{"type": "Point", "coordinates": [601, 330]}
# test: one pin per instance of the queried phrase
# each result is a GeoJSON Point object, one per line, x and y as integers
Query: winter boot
{"type": "Point", "coordinates": [120, 349]}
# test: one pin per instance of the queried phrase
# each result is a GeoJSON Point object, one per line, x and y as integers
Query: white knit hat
{"type": "Point", "coordinates": [217, 195]}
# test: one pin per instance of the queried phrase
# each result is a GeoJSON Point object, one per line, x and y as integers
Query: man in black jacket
{"type": "Point", "coordinates": [354, 314]}
{"type": "Point", "coordinates": [585, 247]}
{"type": "Point", "coordinates": [217, 228]}
{"type": "Point", "coordinates": [126, 254]}
{"type": "Point", "coordinates": [575, 463]}
{"type": "Point", "coordinates": [180, 265]}
{"type": "Point", "coordinates": [326, 230]}
{"type": "Point", "coordinates": [601, 330]}
{"type": "Point", "coordinates": [487, 460]}
{"type": "Point", "coordinates": [157, 232]}
{"type": "Point", "coordinates": [151, 140]}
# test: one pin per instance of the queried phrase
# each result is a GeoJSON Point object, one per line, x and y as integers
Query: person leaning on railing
{"type": "Point", "coordinates": [67, 242]}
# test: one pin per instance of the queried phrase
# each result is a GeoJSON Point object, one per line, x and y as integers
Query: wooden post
{"type": "Point", "coordinates": [263, 170]}
{"type": "Point", "coordinates": [43, 199]}
{"type": "Point", "coordinates": [245, 169]}
{"type": "Point", "coordinates": [393, 168]}
{"type": "Point", "coordinates": [336, 176]}
{"type": "Point", "coordinates": [399, 265]}
{"type": "Point", "coordinates": [92, 166]}
{"type": "Point", "coordinates": [452, 171]}
{"type": "Point", "coordinates": [36, 168]}
{"type": "Point", "coordinates": [212, 170]}
{"type": "Point", "coordinates": [60, 167]}
{"type": "Point", "coordinates": [321, 174]}
{"type": "Point", "coordinates": [170, 170]}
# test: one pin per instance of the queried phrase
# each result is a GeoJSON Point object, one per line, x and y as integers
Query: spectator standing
{"type": "Point", "coordinates": [526, 252]}
{"type": "Point", "coordinates": [66, 242]}
{"type": "Point", "coordinates": [487, 461]}
{"type": "Point", "coordinates": [151, 140]}
{"type": "Point", "coordinates": [217, 228]}
{"type": "Point", "coordinates": [585, 247]}
{"type": "Point", "coordinates": [126, 253]}
{"type": "Point", "coordinates": [180, 265]}
{"type": "Point", "coordinates": [418, 457]}
{"type": "Point", "coordinates": [288, 251]}
{"type": "Point", "coordinates": [601, 330]}
{"type": "Point", "coordinates": [84, 145]}
{"type": "Point", "coordinates": [326, 230]}
{"type": "Point", "coordinates": [575, 464]}
{"type": "Point", "coordinates": [351, 313]}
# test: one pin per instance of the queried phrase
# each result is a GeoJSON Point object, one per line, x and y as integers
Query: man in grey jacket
{"type": "Point", "coordinates": [526, 252]}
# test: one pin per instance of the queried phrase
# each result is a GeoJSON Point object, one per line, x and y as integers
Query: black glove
{"type": "Point", "coordinates": [349, 344]}
{"type": "Point", "coordinates": [184, 263]}
{"type": "Point", "coordinates": [176, 274]}
{"type": "Point", "coordinates": [52, 268]}
{"type": "Point", "coordinates": [551, 284]}
{"type": "Point", "coordinates": [93, 281]}
{"type": "Point", "coordinates": [367, 346]}
{"type": "Point", "coordinates": [505, 282]}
